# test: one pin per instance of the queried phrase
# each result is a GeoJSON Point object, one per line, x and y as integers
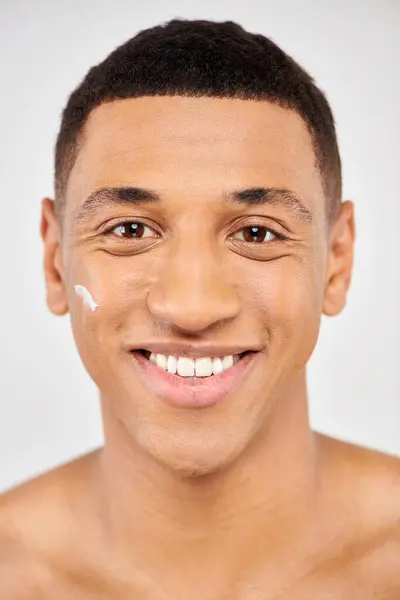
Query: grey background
{"type": "Point", "coordinates": [48, 405]}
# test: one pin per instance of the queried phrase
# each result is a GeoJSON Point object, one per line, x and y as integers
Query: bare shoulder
{"type": "Point", "coordinates": [34, 507]}
{"type": "Point", "coordinates": [369, 478]}
{"type": "Point", "coordinates": [365, 486]}
{"type": "Point", "coordinates": [35, 518]}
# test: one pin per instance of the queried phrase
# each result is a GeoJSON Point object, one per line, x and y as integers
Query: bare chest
{"type": "Point", "coordinates": [338, 585]}
{"type": "Point", "coordinates": [374, 576]}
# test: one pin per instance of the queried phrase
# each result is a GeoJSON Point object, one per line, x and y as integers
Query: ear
{"type": "Point", "coordinates": [50, 232]}
{"type": "Point", "coordinates": [340, 260]}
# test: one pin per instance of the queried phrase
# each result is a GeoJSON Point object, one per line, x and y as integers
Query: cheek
{"type": "Point", "coordinates": [115, 283]}
{"type": "Point", "coordinates": [287, 294]}
{"type": "Point", "coordinates": [118, 286]}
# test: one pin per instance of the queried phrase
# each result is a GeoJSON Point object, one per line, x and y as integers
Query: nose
{"type": "Point", "coordinates": [192, 291]}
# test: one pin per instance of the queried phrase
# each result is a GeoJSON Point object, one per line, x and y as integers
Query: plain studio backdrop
{"type": "Point", "coordinates": [49, 410]}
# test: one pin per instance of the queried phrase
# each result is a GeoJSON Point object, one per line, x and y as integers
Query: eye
{"type": "Point", "coordinates": [257, 234]}
{"type": "Point", "coordinates": [131, 230]}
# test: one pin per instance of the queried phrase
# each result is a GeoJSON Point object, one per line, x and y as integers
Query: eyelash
{"type": "Point", "coordinates": [278, 236]}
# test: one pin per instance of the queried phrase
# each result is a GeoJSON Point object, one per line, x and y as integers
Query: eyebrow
{"type": "Point", "coordinates": [136, 196]}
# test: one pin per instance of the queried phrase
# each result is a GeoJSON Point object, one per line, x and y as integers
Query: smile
{"type": "Point", "coordinates": [193, 368]}
{"type": "Point", "coordinates": [192, 383]}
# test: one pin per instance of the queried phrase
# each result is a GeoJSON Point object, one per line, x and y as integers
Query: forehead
{"type": "Point", "coordinates": [202, 145]}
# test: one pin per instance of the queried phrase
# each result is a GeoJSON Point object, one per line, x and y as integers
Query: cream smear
{"type": "Point", "coordinates": [86, 296]}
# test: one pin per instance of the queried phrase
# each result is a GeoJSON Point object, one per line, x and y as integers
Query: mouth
{"type": "Point", "coordinates": [192, 383]}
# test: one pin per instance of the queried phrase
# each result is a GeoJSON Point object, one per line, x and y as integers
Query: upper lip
{"type": "Point", "coordinates": [195, 350]}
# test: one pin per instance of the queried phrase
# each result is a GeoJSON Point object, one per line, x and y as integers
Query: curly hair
{"type": "Point", "coordinates": [202, 58]}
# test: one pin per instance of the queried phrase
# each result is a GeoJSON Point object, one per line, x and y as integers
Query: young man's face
{"type": "Point", "coordinates": [189, 269]}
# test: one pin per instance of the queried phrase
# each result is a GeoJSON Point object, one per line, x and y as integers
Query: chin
{"type": "Point", "coordinates": [193, 456]}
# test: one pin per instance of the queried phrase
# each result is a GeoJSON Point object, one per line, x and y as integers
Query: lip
{"type": "Point", "coordinates": [181, 392]}
{"type": "Point", "coordinates": [194, 350]}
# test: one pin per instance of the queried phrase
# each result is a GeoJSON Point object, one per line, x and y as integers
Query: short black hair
{"type": "Point", "coordinates": [202, 58]}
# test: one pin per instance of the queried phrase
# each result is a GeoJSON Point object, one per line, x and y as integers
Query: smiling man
{"type": "Point", "coordinates": [197, 235]}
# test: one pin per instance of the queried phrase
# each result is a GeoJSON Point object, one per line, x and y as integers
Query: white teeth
{"type": "Point", "coordinates": [218, 367]}
{"type": "Point", "coordinates": [204, 367]}
{"type": "Point", "coordinates": [172, 363]}
{"type": "Point", "coordinates": [227, 362]}
{"type": "Point", "coordinates": [188, 367]}
{"type": "Point", "coordinates": [161, 360]}
{"type": "Point", "coordinates": [185, 367]}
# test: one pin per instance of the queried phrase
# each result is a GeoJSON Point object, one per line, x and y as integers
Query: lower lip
{"type": "Point", "coordinates": [183, 392]}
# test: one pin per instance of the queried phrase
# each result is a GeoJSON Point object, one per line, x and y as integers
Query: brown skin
{"type": "Point", "coordinates": [241, 500]}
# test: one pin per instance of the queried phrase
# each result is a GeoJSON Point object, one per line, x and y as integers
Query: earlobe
{"type": "Point", "coordinates": [340, 261]}
{"type": "Point", "coordinates": [51, 235]}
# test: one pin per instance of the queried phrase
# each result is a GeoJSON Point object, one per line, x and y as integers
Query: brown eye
{"type": "Point", "coordinates": [131, 230]}
{"type": "Point", "coordinates": [256, 234]}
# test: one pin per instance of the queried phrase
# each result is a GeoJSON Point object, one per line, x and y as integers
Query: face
{"type": "Point", "coordinates": [198, 227]}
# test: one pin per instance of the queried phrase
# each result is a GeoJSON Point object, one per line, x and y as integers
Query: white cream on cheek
{"type": "Point", "coordinates": [86, 296]}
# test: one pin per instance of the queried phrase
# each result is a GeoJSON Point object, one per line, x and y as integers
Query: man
{"type": "Point", "coordinates": [197, 235]}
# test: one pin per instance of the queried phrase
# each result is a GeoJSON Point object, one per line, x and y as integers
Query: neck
{"type": "Point", "coordinates": [256, 509]}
